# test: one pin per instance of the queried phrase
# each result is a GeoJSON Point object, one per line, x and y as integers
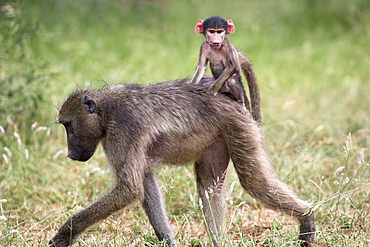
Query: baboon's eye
{"type": "Point", "coordinates": [70, 129]}
{"type": "Point", "coordinates": [220, 31]}
{"type": "Point", "coordinates": [211, 31]}
{"type": "Point", "coordinates": [66, 124]}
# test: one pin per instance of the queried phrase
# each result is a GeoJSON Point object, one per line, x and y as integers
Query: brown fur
{"type": "Point", "coordinates": [254, 93]}
{"type": "Point", "coordinates": [172, 123]}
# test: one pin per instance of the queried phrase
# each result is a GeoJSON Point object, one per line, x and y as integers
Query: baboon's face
{"type": "Point", "coordinates": [215, 37]}
{"type": "Point", "coordinates": [83, 126]}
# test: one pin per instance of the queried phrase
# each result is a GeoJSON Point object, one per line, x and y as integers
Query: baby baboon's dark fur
{"type": "Point", "coordinates": [172, 123]}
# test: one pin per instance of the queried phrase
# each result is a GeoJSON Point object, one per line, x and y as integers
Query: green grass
{"type": "Point", "coordinates": [312, 60]}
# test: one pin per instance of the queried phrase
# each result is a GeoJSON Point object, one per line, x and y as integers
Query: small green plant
{"type": "Point", "coordinates": [22, 79]}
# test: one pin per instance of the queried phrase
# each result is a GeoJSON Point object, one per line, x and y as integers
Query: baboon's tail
{"type": "Point", "coordinates": [248, 72]}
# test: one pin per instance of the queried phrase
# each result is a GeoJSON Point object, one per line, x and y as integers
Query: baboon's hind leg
{"type": "Point", "coordinates": [258, 177]}
{"type": "Point", "coordinates": [210, 171]}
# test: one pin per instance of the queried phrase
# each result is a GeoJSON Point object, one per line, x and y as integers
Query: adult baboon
{"type": "Point", "coordinates": [171, 123]}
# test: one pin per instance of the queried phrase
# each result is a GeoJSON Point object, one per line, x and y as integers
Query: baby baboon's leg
{"type": "Point", "coordinates": [258, 177]}
{"type": "Point", "coordinates": [155, 209]}
{"type": "Point", "coordinates": [207, 81]}
{"type": "Point", "coordinates": [111, 202]}
{"type": "Point", "coordinates": [210, 171]}
{"type": "Point", "coordinates": [235, 86]}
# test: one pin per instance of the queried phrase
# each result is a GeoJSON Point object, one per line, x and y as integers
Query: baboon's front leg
{"type": "Point", "coordinates": [155, 209]}
{"type": "Point", "coordinates": [210, 170]}
{"type": "Point", "coordinates": [111, 202]}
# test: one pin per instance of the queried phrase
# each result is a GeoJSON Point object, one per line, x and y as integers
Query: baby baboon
{"type": "Point", "coordinates": [171, 123]}
{"type": "Point", "coordinates": [226, 63]}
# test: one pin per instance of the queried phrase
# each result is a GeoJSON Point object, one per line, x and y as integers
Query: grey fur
{"type": "Point", "coordinates": [172, 123]}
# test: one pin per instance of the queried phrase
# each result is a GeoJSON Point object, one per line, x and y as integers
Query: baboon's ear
{"type": "Point", "coordinates": [230, 27]}
{"type": "Point", "coordinates": [199, 26]}
{"type": "Point", "coordinates": [88, 103]}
